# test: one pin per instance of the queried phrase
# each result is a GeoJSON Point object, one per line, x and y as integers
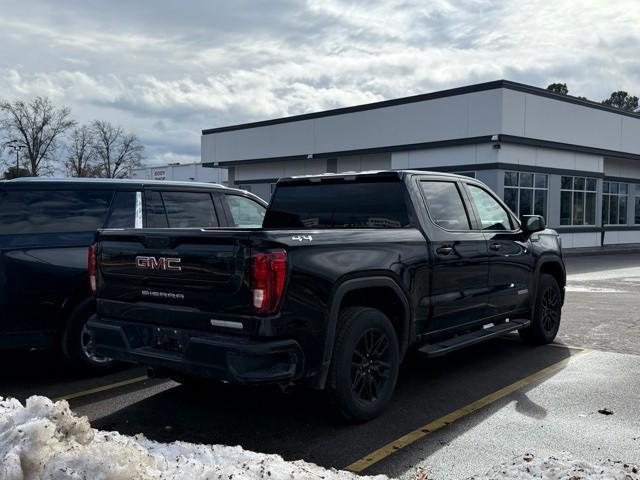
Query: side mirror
{"type": "Point", "coordinates": [532, 223]}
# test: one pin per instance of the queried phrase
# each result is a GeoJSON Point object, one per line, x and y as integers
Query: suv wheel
{"type": "Point", "coordinates": [77, 343]}
{"type": "Point", "coordinates": [546, 320]}
{"type": "Point", "coordinates": [364, 367]}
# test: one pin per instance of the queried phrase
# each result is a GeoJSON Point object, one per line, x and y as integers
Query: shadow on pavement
{"type": "Point", "coordinates": [26, 373]}
{"type": "Point", "coordinates": [301, 425]}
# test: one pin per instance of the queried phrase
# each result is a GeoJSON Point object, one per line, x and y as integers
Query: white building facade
{"type": "Point", "coordinates": [575, 162]}
{"type": "Point", "coordinates": [191, 172]}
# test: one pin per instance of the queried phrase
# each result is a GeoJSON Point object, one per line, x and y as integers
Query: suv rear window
{"type": "Point", "coordinates": [52, 211]}
{"type": "Point", "coordinates": [361, 204]}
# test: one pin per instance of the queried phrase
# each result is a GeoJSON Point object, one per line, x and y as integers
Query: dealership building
{"type": "Point", "coordinates": [183, 172]}
{"type": "Point", "coordinates": [574, 161]}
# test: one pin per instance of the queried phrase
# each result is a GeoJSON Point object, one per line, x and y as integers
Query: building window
{"type": "Point", "coordinates": [467, 174]}
{"type": "Point", "coordinates": [577, 201]}
{"type": "Point", "coordinates": [614, 203]}
{"type": "Point", "coordinates": [637, 202]}
{"type": "Point", "coordinates": [526, 193]}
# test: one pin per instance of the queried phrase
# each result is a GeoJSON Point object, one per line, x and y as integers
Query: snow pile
{"type": "Point", "coordinates": [45, 440]}
{"type": "Point", "coordinates": [563, 467]}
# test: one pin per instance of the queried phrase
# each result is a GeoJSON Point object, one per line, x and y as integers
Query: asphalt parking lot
{"type": "Point", "coordinates": [602, 309]}
{"type": "Point", "coordinates": [456, 415]}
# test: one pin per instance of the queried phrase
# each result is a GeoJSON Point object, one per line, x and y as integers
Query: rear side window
{"type": "Point", "coordinates": [245, 212]}
{"type": "Point", "coordinates": [53, 211]}
{"type": "Point", "coordinates": [445, 205]}
{"type": "Point", "coordinates": [363, 204]}
{"type": "Point", "coordinates": [123, 211]}
{"type": "Point", "coordinates": [189, 209]}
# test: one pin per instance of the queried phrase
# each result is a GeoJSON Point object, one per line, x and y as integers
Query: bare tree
{"type": "Point", "coordinates": [81, 154]}
{"type": "Point", "coordinates": [116, 151]}
{"type": "Point", "coordinates": [38, 125]}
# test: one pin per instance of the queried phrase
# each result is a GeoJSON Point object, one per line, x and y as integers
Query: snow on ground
{"type": "Point", "coordinates": [562, 467]}
{"type": "Point", "coordinates": [630, 274]}
{"type": "Point", "coordinates": [43, 440]}
{"type": "Point", "coordinates": [586, 289]}
{"type": "Point", "coordinates": [623, 280]}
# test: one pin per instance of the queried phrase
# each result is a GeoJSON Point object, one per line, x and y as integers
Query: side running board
{"type": "Point", "coordinates": [447, 345]}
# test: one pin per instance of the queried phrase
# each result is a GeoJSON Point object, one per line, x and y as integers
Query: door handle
{"type": "Point", "coordinates": [495, 246]}
{"type": "Point", "coordinates": [444, 250]}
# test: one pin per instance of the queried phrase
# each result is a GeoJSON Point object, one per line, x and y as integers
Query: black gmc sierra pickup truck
{"type": "Point", "coordinates": [348, 272]}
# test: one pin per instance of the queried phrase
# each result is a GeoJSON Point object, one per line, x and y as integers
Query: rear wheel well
{"type": "Point", "coordinates": [387, 301]}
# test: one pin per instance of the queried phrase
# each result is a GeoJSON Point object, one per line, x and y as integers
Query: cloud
{"type": "Point", "coordinates": [167, 70]}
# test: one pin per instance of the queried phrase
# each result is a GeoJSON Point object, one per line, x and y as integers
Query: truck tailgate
{"type": "Point", "coordinates": [198, 271]}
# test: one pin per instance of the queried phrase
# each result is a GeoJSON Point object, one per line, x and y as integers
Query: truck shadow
{"type": "Point", "coordinates": [301, 425]}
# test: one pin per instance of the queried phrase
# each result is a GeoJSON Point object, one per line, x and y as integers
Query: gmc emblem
{"type": "Point", "coordinates": [161, 263]}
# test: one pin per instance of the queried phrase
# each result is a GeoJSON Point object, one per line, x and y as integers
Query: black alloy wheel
{"type": "Point", "coordinates": [550, 309]}
{"type": "Point", "coordinates": [364, 365]}
{"type": "Point", "coordinates": [370, 365]}
{"type": "Point", "coordinates": [545, 321]}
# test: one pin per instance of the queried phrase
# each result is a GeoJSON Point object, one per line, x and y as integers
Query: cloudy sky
{"type": "Point", "coordinates": [167, 69]}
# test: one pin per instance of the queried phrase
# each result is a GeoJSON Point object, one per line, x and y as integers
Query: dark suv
{"type": "Point", "coordinates": [46, 226]}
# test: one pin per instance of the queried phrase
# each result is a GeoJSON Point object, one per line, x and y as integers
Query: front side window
{"type": "Point", "coordinates": [189, 209]}
{"type": "Point", "coordinates": [577, 201]}
{"type": "Point", "coordinates": [53, 211]}
{"type": "Point", "coordinates": [614, 203]}
{"type": "Point", "coordinates": [445, 205]}
{"type": "Point", "coordinates": [526, 193]}
{"type": "Point", "coordinates": [245, 212]}
{"type": "Point", "coordinates": [492, 215]}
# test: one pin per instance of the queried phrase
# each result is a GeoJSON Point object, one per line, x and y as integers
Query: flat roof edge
{"type": "Point", "coordinates": [498, 138]}
{"type": "Point", "coordinates": [479, 87]}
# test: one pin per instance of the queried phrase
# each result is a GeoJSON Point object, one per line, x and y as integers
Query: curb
{"type": "Point", "coordinates": [606, 250]}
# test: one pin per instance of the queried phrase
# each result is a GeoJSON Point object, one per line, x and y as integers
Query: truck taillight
{"type": "Point", "coordinates": [268, 278]}
{"type": "Point", "coordinates": [91, 267]}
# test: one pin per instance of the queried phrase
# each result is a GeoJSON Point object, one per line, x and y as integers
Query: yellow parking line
{"type": "Point", "coordinates": [411, 437]}
{"type": "Point", "coordinates": [102, 388]}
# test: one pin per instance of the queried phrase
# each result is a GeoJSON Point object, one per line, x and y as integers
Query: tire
{"type": "Point", "coordinates": [548, 309]}
{"type": "Point", "coordinates": [76, 343]}
{"type": "Point", "coordinates": [365, 363]}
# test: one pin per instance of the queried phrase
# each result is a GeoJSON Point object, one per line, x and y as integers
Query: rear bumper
{"type": "Point", "coordinates": [187, 352]}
